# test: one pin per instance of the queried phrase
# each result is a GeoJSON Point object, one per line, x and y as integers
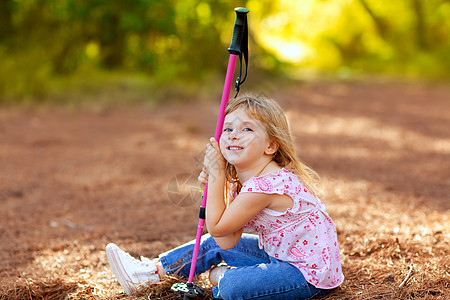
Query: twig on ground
{"type": "Point", "coordinates": [407, 276]}
{"type": "Point", "coordinates": [376, 296]}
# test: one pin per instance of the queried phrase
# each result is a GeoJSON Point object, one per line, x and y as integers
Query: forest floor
{"type": "Point", "coordinates": [73, 181]}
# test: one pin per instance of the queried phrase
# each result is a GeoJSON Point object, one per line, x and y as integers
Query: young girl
{"type": "Point", "coordinates": [269, 192]}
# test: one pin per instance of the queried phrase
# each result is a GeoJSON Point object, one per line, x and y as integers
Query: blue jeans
{"type": "Point", "coordinates": [256, 274]}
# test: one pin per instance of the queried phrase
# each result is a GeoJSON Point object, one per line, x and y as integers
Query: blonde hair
{"type": "Point", "coordinates": [271, 115]}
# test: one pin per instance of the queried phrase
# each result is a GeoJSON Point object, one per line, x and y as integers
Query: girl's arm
{"type": "Point", "coordinates": [222, 221]}
{"type": "Point", "coordinates": [229, 241]}
{"type": "Point", "coordinates": [224, 242]}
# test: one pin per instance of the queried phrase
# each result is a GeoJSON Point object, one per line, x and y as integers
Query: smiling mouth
{"type": "Point", "coordinates": [234, 148]}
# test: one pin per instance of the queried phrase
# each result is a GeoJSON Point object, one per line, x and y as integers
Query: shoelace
{"type": "Point", "coordinates": [146, 263]}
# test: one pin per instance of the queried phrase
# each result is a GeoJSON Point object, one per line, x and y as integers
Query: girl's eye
{"type": "Point", "coordinates": [248, 129]}
{"type": "Point", "coordinates": [227, 130]}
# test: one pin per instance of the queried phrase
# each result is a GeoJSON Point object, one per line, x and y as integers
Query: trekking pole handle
{"type": "Point", "coordinates": [238, 30]}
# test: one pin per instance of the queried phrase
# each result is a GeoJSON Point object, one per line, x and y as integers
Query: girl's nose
{"type": "Point", "coordinates": [232, 136]}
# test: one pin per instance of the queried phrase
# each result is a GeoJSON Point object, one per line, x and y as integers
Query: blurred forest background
{"type": "Point", "coordinates": [62, 50]}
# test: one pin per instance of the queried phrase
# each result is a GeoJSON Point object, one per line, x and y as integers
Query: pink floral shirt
{"type": "Point", "coordinates": [303, 235]}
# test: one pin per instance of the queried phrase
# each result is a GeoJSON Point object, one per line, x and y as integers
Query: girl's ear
{"type": "Point", "coordinates": [271, 148]}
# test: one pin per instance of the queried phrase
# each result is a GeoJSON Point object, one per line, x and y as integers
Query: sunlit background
{"type": "Point", "coordinates": [51, 46]}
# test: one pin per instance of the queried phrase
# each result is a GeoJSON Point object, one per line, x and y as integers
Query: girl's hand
{"type": "Point", "coordinates": [214, 162]}
{"type": "Point", "coordinates": [203, 178]}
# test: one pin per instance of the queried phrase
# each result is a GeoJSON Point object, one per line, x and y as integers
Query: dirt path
{"type": "Point", "coordinates": [72, 182]}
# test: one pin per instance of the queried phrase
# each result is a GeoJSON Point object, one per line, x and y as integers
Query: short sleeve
{"type": "Point", "coordinates": [263, 184]}
{"type": "Point", "coordinates": [284, 182]}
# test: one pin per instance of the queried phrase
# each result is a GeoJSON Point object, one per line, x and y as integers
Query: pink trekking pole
{"type": "Point", "coordinates": [238, 47]}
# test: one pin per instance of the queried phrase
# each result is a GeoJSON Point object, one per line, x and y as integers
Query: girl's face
{"type": "Point", "coordinates": [244, 140]}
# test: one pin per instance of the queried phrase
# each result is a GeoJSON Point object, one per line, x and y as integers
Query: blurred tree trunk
{"type": "Point", "coordinates": [381, 25]}
{"type": "Point", "coordinates": [420, 24]}
{"type": "Point", "coordinates": [112, 41]}
{"type": "Point", "coordinates": [6, 13]}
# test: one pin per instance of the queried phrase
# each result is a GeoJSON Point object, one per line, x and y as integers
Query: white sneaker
{"type": "Point", "coordinates": [131, 273]}
{"type": "Point", "coordinates": [145, 259]}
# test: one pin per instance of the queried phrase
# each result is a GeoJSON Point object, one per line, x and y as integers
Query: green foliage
{"type": "Point", "coordinates": [41, 40]}
{"type": "Point", "coordinates": [409, 37]}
